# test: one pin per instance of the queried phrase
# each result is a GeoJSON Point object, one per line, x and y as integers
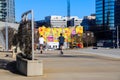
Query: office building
{"type": "Point", "coordinates": [75, 21]}
{"type": "Point", "coordinates": [56, 21]}
{"type": "Point", "coordinates": [59, 21]}
{"type": "Point", "coordinates": [7, 10]}
{"type": "Point", "coordinates": [88, 22]}
{"type": "Point", "coordinates": [108, 13]}
{"type": "Point", "coordinates": [108, 19]}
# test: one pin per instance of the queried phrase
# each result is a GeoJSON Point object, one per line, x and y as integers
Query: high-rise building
{"type": "Point", "coordinates": [108, 19]}
{"type": "Point", "coordinates": [108, 13]}
{"type": "Point", "coordinates": [7, 10]}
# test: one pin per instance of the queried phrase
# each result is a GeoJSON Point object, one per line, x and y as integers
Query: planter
{"type": "Point", "coordinates": [29, 67]}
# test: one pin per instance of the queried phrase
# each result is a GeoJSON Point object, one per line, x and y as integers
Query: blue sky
{"type": "Point", "coordinates": [44, 8]}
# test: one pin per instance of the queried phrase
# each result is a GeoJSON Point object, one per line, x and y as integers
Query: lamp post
{"type": "Point", "coordinates": [117, 37]}
{"type": "Point", "coordinates": [6, 30]}
{"type": "Point", "coordinates": [24, 17]}
{"type": "Point", "coordinates": [113, 38]}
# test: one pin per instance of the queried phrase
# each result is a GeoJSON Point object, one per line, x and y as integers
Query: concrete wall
{"type": "Point", "coordinates": [12, 25]}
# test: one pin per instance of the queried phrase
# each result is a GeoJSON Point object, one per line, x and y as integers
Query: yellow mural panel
{"type": "Point", "coordinates": [79, 29]}
{"type": "Point", "coordinates": [52, 34]}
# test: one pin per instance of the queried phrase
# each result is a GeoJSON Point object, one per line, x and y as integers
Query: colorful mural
{"type": "Point", "coordinates": [52, 34]}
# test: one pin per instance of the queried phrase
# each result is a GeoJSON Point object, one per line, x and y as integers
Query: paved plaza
{"type": "Point", "coordinates": [75, 64]}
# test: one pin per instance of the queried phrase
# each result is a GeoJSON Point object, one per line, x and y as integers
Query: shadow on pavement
{"type": "Point", "coordinates": [67, 56]}
{"type": "Point", "coordinates": [78, 56]}
{"type": "Point", "coordinates": [85, 56]}
{"type": "Point", "coordinates": [8, 65]}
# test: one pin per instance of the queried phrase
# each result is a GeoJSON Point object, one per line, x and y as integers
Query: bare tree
{"type": "Point", "coordinates": [88, 38]}
{"type": "Point", "coordinates": [11, 32]}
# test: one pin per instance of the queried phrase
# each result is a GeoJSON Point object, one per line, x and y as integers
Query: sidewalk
{"type": "Point", "coordinates": [105, 52]}
{"type": "Point", "coordinates": [100, 52]}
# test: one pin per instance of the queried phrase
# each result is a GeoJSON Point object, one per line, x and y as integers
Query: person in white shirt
{"type": "Point", "coordinates": [41, 43]}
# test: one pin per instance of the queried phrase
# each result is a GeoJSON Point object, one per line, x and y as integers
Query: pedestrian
{"type": "Point", "coordinates": [41, 43]}
{"type": "Point", "coordinates": [61, 40]}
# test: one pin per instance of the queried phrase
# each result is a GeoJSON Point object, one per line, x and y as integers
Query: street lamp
{"type": "Point", "coordinates": [24, 17]}
{"type": "Point", "coordinates": [117, 37]}
{"type": "Point", "coordinates": [113, 32]}
{"type": "Point", "coordinates": [6, 31]}
{"type": "Point", "coordinates": [113, 36]}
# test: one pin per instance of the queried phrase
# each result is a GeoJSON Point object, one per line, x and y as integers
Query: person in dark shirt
{"type": "Point", "coordinates": [61, 42]}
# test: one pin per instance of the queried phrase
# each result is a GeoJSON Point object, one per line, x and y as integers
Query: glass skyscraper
{"type": "Point", "coordinates": [108, 18]}
{"type": "Point", "coordinates": [108, 13]}
{"type": "Point", "coordinates": [7, 10]}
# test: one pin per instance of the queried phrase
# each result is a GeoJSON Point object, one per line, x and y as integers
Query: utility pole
{"type": "Point", "coordinates": [6, 30]}
{"type": "Point", "coordinates": [117, 37]}
{"type": "Point", "coordinates": [32, 23]}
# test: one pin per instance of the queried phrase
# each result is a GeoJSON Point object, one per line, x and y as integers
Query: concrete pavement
{"type": "Point", "coordinates": [101, 52]}
{"type": "Point", "coordinates": [105, 52]}
{"type": "Point", "coordinates": [75, 64]}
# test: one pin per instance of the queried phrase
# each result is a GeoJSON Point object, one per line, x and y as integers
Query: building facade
{"type": "Point", "coordinates": [59, 21]}
{"type": "Point", "coordinates": [117, 13]}
{"type": "Point", "coordinates": [56, 21]}
{"type": "Point", "coordinates": [108, 19]}
{"type": "Point", "coordinates": [7, 10]}
{"type": "Point", "coordinates": [75, 21]}
{"type": "Point", "coordinates": [108, 13]}
{"type": "Point", "coordinates": [88, 22]}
